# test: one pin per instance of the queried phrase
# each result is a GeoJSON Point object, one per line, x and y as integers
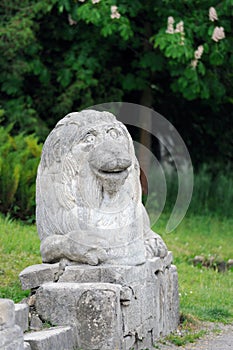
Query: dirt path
{"type": "Point", "coordinates": [218, 337]}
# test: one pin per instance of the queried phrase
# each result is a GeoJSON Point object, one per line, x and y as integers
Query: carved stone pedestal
{"type": "Point", "coordinates": [109, 307]}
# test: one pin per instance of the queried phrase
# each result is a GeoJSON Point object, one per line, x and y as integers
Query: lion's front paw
{"type": "Point", "coordinates": [95, 256]}
{"type": "Point", "coordinates": [155, 247]}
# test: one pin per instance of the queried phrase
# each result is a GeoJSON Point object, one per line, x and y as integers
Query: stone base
{"type": "Point", "coordinates": [111, 307]}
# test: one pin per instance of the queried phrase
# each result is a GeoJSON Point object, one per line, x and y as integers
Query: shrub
{"type": "Point", "coordinates": [212, 192]}
{"type": "Point", "coordinates": [19, 159]}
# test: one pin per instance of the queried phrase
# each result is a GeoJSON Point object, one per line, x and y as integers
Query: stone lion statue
{"type": "Point", "coordinates": [88, 195]}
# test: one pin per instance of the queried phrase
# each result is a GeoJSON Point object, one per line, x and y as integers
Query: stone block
{"type": "Point", "coordinates": [57, 338]}
{"type": "Point", "coordinates": [27, 346]}
{"type": "Point", "coordinates": [11, 338]}
{"type": "Point", "coordinates": [35, 275]}
{"type": "Point", "coordinates": [131, 313]}
{"type": "Point", "coordinates": [128, 342]}
{"type": "Point", "coordinates": [7, 313]}
{"type": "Point", "coordinates": [109, 315]}
{"type": "Point", "coordinates": [173, 315]}
{"type": "Point", "coordinates": [118, 274]}
{"type": "Point", "coordinates": [21, 316]}
{"type": "Point", "coordinates": [93, 307]}
{"type": "Point", "coordinates": [35, 322]}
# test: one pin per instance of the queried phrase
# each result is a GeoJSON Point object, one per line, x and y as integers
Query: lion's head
{"type": "Point", "coordinates": [88, 187]}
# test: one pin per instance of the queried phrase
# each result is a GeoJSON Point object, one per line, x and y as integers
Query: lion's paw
{"type": "Point", "coordinates": [155, 247]}
{"type": "Point", "coordinates": [95, 256]}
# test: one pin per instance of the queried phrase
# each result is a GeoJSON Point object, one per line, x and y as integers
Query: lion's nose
{"type": "Point", "coordinates": [117, 164]}
{"type": "Point", "coordinates": [110, 158]}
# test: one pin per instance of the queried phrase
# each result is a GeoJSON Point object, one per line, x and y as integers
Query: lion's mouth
{"type": "Point", "coordinates": [114, 169]}
{"type": "Point", "coordinates": [113, 173]}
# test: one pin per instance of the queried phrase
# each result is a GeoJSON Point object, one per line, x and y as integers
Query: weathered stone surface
{"type": "Point", "coordinates": [146, 308]}
{"type": "Point", "coordinates": [168, 299]}
{"type": "Point", "coordinates": [7, 313]}
{"type": "Point", "coordinates": [11, 338]}
{"type": "Point", "coordinates": [35, 275]}
{"type": "Point", "coordinates": [88, 195]}
{"type": "Point", "coordinates": [35, 322]}
{"type": "Point", "coordinates": [107, 274]}
{"type": "Point", "coordinates": [119, 274]}
{"type": "Point", "coordinates": [93, 307]}
{"type": "Point", "coordinates": [57, 338]}
{"type": "Point", "coordinates": [27, 346]}
{"type": "Point", "coordinates": [21, 316]}
{"type": "Point", "coordinates": [167, 260]}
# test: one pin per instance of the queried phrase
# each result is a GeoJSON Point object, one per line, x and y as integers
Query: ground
{"type": "Point", "coordinates": [217, 336]}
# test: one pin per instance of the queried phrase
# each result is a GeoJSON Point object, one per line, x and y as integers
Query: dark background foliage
{"type": "Point", "coordinates": [59, 56]}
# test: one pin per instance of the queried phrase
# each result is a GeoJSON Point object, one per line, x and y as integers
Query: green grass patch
{"type": "Point", "coordinates": [19, 248]}
{"type": "Point", "coordinates": [185, 339]}
{"type": "Point", "coordinates": [204, 293]}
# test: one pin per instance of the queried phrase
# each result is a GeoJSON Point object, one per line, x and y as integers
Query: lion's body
{"type": "Point", "coordinates": [89, 206]}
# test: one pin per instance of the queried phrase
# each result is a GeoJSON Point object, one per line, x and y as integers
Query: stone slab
{"type": "Point", "coordinates": [107, 274]}
{"type": "Point", "coordinates": [21, 316]}
{"type": "Point", "coordinates": [57, 338]}
{"type": "Point", "coordinates": [11, 338]}
{"type": "Point", "coordinates": [7, 313]}
{"type": "Point", "coordinates": [93, 307]}
{"type": "Point", "coordinates": [110, 316]}
{"type": "Point", "coordinates": [118, 274]}
{"type": "Point", "coordinates": [35, 275]}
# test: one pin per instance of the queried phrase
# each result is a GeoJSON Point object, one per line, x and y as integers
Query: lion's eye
{"type": "Point", "coordinates": [113, 133]}
{"type": "Point", "coordinates": [90, 138]}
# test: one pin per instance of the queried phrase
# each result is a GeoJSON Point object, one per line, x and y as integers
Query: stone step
{"type": "Point", "coordinates": [11, 338]}
{"type": "Point", "coordinates": [21, 316]}
{"type": "Point", "coordinates": [55, 338]}
{"type": "Point", "coordinates": [35, 275]}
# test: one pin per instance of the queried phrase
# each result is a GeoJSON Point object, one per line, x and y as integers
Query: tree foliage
{"type": "Point", "coordinates": [63, 55]}
{"type": "Point", "coordinates": [19, 158]}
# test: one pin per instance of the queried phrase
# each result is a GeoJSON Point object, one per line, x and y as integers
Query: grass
{"type": "Point", "coordinates": [204, 293]}
{"type": "Point", "coordinates": [19, 248]}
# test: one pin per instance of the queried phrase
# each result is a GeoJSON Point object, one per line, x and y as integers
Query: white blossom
{"type": "Point", "coordinates": [198, 53]}
{"type": "Point", "coordinates": [194, 63]}
{"type": "Point", "coordinates": [114, 12]}
{"type": "Point", "coordinates": [213, 14]}
{"type": "Point", "coordinates": [71, 21]}
{"type": "Point", "coordinates": [218, 34]}
{"type": "Point", "coordinates": [180, 27]}
{"type": "Point", "coordinates": [170, 29]}
{"type": "Point", "coordinates": [95, 1]}
{"type": "Point", "coordinates": [170, 22]}
{"type": "Point", "coordinates": [81, 0]}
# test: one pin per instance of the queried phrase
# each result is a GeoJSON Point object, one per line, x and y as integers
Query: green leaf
{"type": "Point", "coordinates": [201, 68]}
{"type": "Point", "coordinates": [65, 77]}
{"type": "Point", "coordinates": [216, 58]}
{"type": "Point", "coordinates": [152, 60]}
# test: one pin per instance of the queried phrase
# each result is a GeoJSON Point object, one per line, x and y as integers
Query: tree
{"type": "Point", "coordinates": [63, 55]}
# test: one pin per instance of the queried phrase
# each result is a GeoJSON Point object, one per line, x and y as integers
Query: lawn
{"type": "Point", "coordinates": [204, 293]}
